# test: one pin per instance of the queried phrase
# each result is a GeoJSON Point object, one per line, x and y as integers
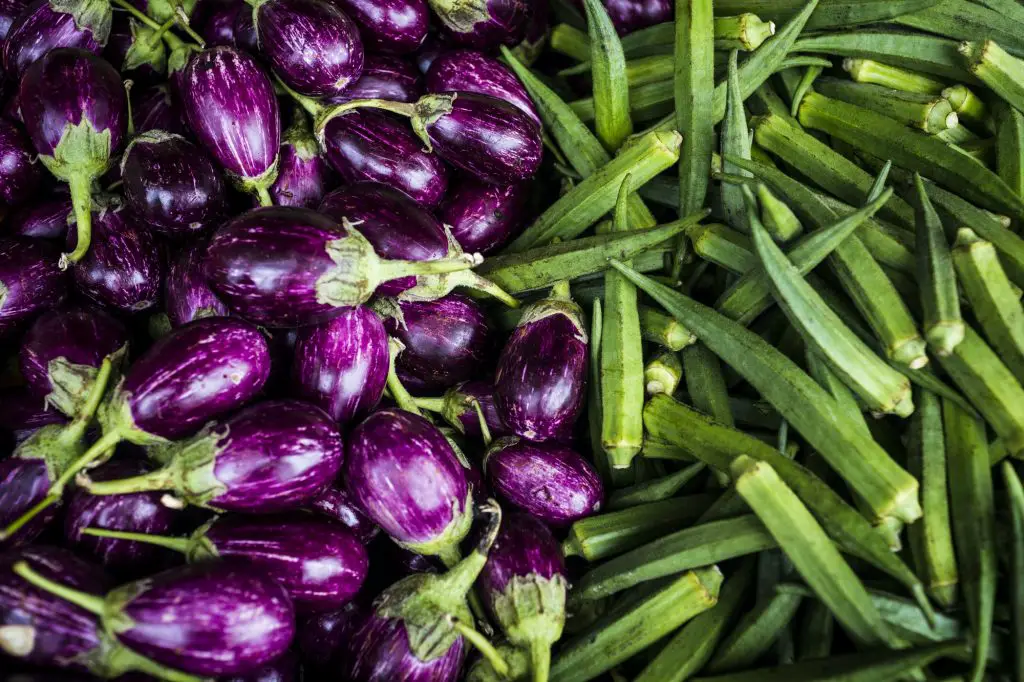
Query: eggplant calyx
{"type": "Point", "coordinates": [446, 544]}
{"type": "Point", "coordinates": [146, 48]}
{"type": "Point", "coordinates": [515, 658]}
{"type": "Point", "coordinates": [95, 16]}
{"type": "Point", "coordinates": [113, 659]}
{"type": "Point", "coordinates": [181, 53]}
{"type": "Point", "coordinates": [300, 136]}
{"type": "Point", "coordinates": [433, 287]}
{"type": "Point", "coordinates": [498, 446]}
{"type": "Point", "coordinates": [427, 111]}
{"type": "Point", "coordinates": [323, 115]}
{"type": "Point", "coordinates": [260, 184]}
{"type": "Point", "coordinates": [56, 444]}
{"type": "Point", "coordinates": [461, 16]}
{"type": "Point", "coordinates": [71, 383]}
{"type": "Point", "coordinates": [531, 609]}
{"type": "Point", "coordinates": [558, 303]}
{"type": "Point", "coordinates": [148, 137]}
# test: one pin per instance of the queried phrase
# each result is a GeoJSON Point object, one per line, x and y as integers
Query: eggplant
{"type": "Point", "coordinates": [342, 365]}
{"type": "Point", "coordinates": [284, 266]}
{"type": "Point", "coordinates": [19, 175]}
{"type": "Point", "coordinates": [524, 586]}
{"type": "Point", "coordinates": [156, 109]}
{"type": "Point", "coordinates": [369, 146]}
{"type": "Point", "coordinates": [320, 636]}
{"type": "Point", "coordinates": [219, 25]}
{"type": "Point", "coordinates": [458, 407]}
{"type": "Point", "coordinates": [473, 71]}
{"type": "Point", "coordinates": [45, 220]}
{"type": "Point", "coordinates": [61, 354]}
{"type": "Point", "coordinates": [123, 268]}
{"type": "Point", "coordinates": [24, 483]}
{"type": "Point", "coordinates": [405, 475]}
{"type": "Point", "coordinates": [246, 37]}
{"type": "Point", "coordinates": [433, 47]}
{"type": "Point", "coordinates": [10, 10]}
{"type": "Point", "coordinates": [484, 217]}
{"type": "Point", "coordinates": [171, 184]}
{"type": "Point", "coordinates": [215, 618]}
{"type": "Point", "coordinates": [272, 456]}
{"type": "Point", "coordinates": [303, 175]}
{"type": "Point", "coordinates": [30, 280]}
{"type": "Point", "coordinates": [284, 668]}
{"type": "Point", "coordinates": [230, 104]}
{"type": "Point", "coordinates": [538, 30]}
{"type": "Point", "coordinates": [389, 26]}
{"type": "Point", "coordinates": [483, 24]}
{"type": "Point", "coordinates": [633, 15]}
{"type": "Point", "coordinates": [552, 482]}
{"type": "Point", "coordinates": [187, 296]}
{"type": "Point", "coordinates": [542, 371]}
{"type": "Point", "coordinates": [46, 25]}
{"type": "Point", "coordinates": [334, 502]}
{"type": "Point", "coordinates": [75, 110]}
{"type": "Point", "coordinates": [385, 77]}
{"type": "Point", "coordinates": [136, 50]}
{"type": "Point", "coordinates": [23, 414]}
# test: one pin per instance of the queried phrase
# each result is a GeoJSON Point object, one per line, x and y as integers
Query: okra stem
{"type": "Point", "coordinates": [877, 73]}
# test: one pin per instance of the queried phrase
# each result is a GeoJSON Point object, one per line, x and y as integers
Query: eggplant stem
{"type": "Point", "coordinates": [540, 660]}
{"type": "Point", "coordinates": [137, 13]}
{"type": "Point", "coordinates": [128, 83]}
{"type": "Point", "coordinates": [176, 544]}
{"type": "Point", "coordinates": [430, 404]}
{"type": "Point", "coordinates": [485, 430]}
{"type": "Point", "coordinates": [183, 24]}
{"type": "Point", "coordinates": [123, 658]}
{"type": "Point", "coordinates": [75, 431]}
{"type": "Point", "coordinates": [81, 198]}
{"type": "Point", "coordinates": [106, 442]}
{"type": "Point", "coordinates": [89, 602]}
{"type": "Point", "coordinates": [393, 269]}
{"type": "Point", "coordinates": [161, 479]}
{"type": "Point", "coordinates": [398, 392]}
{"type": "Point", "coordinates": [264, 196]}
{"type": "Point", "coordinates": [483, 646]}
{"type": "Point", "coordinates": [488, 287]}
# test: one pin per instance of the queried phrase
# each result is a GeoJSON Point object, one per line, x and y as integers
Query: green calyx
{"type": "Point", "coordinates": [146, 48]}
{"type": "Point", "coordinates": [92, 15]}
{"type": "Point", "coordinates": [56, 444]}
{"type": "Point", "coordinates": [196, 547]}
{"type": "Point", "coordinates": [426, 111]}
{"type": "Point", "coordinates": [558, 303]}
{"type": "Point", "coordinates": [531, 610]}
{"type": "Point", "coordinates": [518, 662]}
{"type": "Point", "coordinates": [164, 10]}
{"type": "Point", "coordinates": [446, 545]}
{"type": "Point", "coordinates": [180, 56]}
{"type": "Point", "coordinates": [300, 136]}
{"type": "Point", "coordinates": [259, 185]}
{"type": "Point", "coordinates": [461, 15]}
{"type": "Point", "coordinates": [72, 383]}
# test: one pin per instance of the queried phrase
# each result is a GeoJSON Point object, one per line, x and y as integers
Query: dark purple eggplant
{"type": "Point", "coordinates": [284, 668]}
{"type": "Point", "coordinates": [270, 457]}
{"type": "Point", "coordinates": [552, 482]}
{"type": "Point", "coordinates": [404, 474]}
{"type": "Point", "coordinates": [46, 25]}
{"type": "Point", "coordinates": [473, 71]}
{"type": "Point", "coordinates": [246, 37]}
{"type": "Point", "coordinates": [321, 636]}
{"type": "Point", "coordinates": [385, 77]}
{"type": "Point", "coordinates": [10, 10]}
{"type": "Point", "coordinates": [171, 184]}
{"type": "Point", "coordinates": [218, 27]}
{"type": "Point", "coordinates": [542, 372]}
{"type": "Point", "coordinates": [342, 365]}
{"type": "Point", "coordinates": [24, 483]}
{"type": "Point", "coordinates": [433, 47]}
{"type": "Point", "coordinates": [335, 503]}
{"type": "Point", "coordinates": [303, 176]}
{"type": "Point", "coordinates": [484, 217]}
{"type": "Point", "coordinates": [230, 104]}
{"type": "Point", "coordinates": [75, 111]}
{"type": "Point", "coordinates": [136, 50]}
{"type": "Point", "coordinates": [30, 280]}
{"type": "Point", "coordinates": [389, 26]}
{"type": "Point", "coordinates": [61, 355]}
{"type": "Point", "coordinates": [215, 618]}
{"type": "Point", "coordinates": [187, 296]}
{"type": "Point", "coordinates": [311, 44]}
{"type": "Point", "coordinates": [458, 407]}
{"type": "Point", "coordinates": [19, 174]}
{"type": "Point", "coordinates": [155, 109]}
{"type": "Point", "coordinates": [632, 15]}
{"type": "Point", "coordinates": [523, 585]}
{"type": "Point", "coordinates": [23, 415]}
{"type": "Point", "coordinates": [284, 266]}
{"type": "Point", "coordinates": [483, 23]}
{"type": "Point", "coordinates": [538, 29]}
{"type": "Point", "coordinates": [45, 220]}
{"type": "Point", "coordinates": [123, 268]}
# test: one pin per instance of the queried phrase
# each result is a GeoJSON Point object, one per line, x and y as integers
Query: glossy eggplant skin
{"type": "Point", "coordinates": [30, 279]}
{"type": "Point", "coordinates": [245, 33]}
{"type": "Point", "coordinates": [312, 45]}
{"type": "Point", "coordinates": [483, 393]}
{"type": "Point", "coordinates": [19, 176]}
{"type": "Point", "coordinates": [213, 618]}
{"type": "Point", "coordinates": [342, 365]}
{"type": "Point", "coordinates": [172, 185]}
{"type": "Point", "coordinates": [379, 652]}
{"type": "Point", "coordinates": [482, 216]}
{"type": "Point", "coordinates": [284, 668]}
{"type": "Point", "coordinates": [155, 109]}
{"type": "Point", "coordinates": [473, 71]}
{"type": "Point", "coordinates": [385, 77]}
{"type": "Point", "coordinates": [187, 296]}
{"type": "Point", "coordinates": [389, 26]}
{"type": "Point", "coordinates": [525, 548]}
{"type": "Point", "coordinates": [303, 176]}
{"type": "Point", "coordinates": [483, 24]}
{"type": "Point", "coordinates": [369, 146]}
{"type": "Point", "coordinates": [403, 473]}
{"type": "Point", "coordinates": [196, 372]}
{"type": "Point", "coordinates": [42, 27]}
{"type": "Point", "coordinates": [219, 25]}
{"type": "Point", "coordinates": [552, 482]}
{"type": "Point", "coordinates": [10, 10]}
{"type": "Point", "coordinates": [632, 15]}
{"type": "Point", "coordinates": [123, 268]}
{"type": "Point", "coordinates": [23, 415]}
{"type": "Point", "coordinates": [47, 219]}
{"type": "Point", "coordinates": [23, 484]}
{"type": "Point", "coordinates": [446, 341]}
{"type": "Point", "coordinates": [433, 47]}
{"type": "Point", "coordinates": [334, 502]}
{"type": "Point", "coordinates": [320, 637]}
{"type": "Point", "coordinates": [131, 512]}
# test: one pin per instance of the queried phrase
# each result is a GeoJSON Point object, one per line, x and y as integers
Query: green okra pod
{"type": "Point", "coordinates": [810, 75]}
{"type": "Point", "coordinates": [957, 135]}
{"type": "Point", "coordinates": [890, 245]}
{"type": "Point", "coordinates": [705, 383]}
{"type": "Point", "coordinates": [658, 449]}
{"type": "Point", "coordinates": [594, 421]}
{"type": "Point", "coordinates": [663, 373]}
{"type": "Point", "coordinates": [1010, 146]}
{"type": "Point", "coordinates": [777, 217]}
{"type": "Point", "coordinates": [816, 632]}
{"type": "Point", "coordinates": [832, 13]}
{"type": "Point", "coordinates": [936, 278]}
{"type": "Point", "coordinates": [918, 52]}
{"type": "Point", "coordinates": [745, 32]}
{"type": "Point", "coordinates": [664, 330]}
{"type": "Point", "coordinates": [570, 41]}
{"type": "Point", "coordinates": [723, 246]}
{"type": "Point", "coordinates": [755, 632]}
{"type": "Point", "coordinates": [930, 113]}
{"type": "Point", "coordinates": [964, 20]}
{"type": "Point", "coordinates": [886, 75]}
{"type": "Point", "coordinates": [608, 73]}
{"type": "Point", "coordinates": [654, 489]}
{"type": "Point", "coordinates": [968, 107]}
{"type": "Point", "coordinates": [998, 69]}
{"type": "Point", "coordinates": [735, 141]}
{"type": "Point", "coordinates": [1015, 493]}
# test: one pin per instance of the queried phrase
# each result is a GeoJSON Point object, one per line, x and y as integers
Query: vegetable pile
{"type": "Point", "coordinates": [512, 340]}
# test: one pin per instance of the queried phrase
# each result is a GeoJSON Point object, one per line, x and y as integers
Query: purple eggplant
{"type": "Point", "coordinates": [369, 146]}
{"type": "Point", "coordinates": [123, 268]}
{"type": "Point", "coordinates": [61, 354]}
{"type": "Point", "coordinates": [458, 407]}
{"type": "Point", "coordinates": [46, 25]}
{"type": "Point", "coordinates": [284, 266]}
{"type": "Point", "coordinates": [23, 414]}
{"type": "Point", "coordinates": [136, 50]}
{"type": "Point", "coordinates": [30, 280]}
{"type": "Point", "coordinates": [523, 585]}
{"type": "Point", "coordinates": [10, 10]}
{"type": "Point", "coordinates": [483, 23]}
{"type": "Point", "coordinates": [313, 46]}
{"type": "Point", "coordinates": [552, 482]}
{"type": "Point", "coordinates": [24, 483]}
{"type": "Point", "coordinates": [75, 110]}
{"type": "Point", "coordinates": [342, 365]}
{"type": "Point", "coordinates": [538, 30]}
{"type": "Point", "coordinates": [389, 26]}
{"type": "Point", "coordinates": [404, 474]}
{"type": "Point", "coordinates": [45, 220]}
{"type": "Point", "coordinates": [19, 175]}
{"type": "Point", "coordinates": [484, 217]}
{"type": "Point", "coordinates": [219, 25]}
{"type": "Point", "coordinates": [542, 372]}
{"type": "Point", "coordinates": [155, 109]}
{"type": "Point", "coordinates": [187, 296]}
{"type": "Point", "coordinates": [273, 456]}
{"type": "Point", "coordinates": [230, 104]}
{"type": "Point", "coordinates": [321, 636]}
{"type": "Point", "coordinates": [171, 184]}
{"type": "Point", "coordinates": [385, 77]}
{"type": "Point", "coordinates": [472, 71]}
{"type": "Point", "coordinates": [284, 668]}
{"type": "Point", "coordinates": [246, 37]}
{"type": "Point", "coordinates": [632, 15]}
{"type": "Point", "coordinates": [133, 513]}
{"type": "Point", "coordinates": [432, 48]}
{"type": "Point", "coordinates": [303, 176]}
{"type": "Point", "coordinates": [335, 502]}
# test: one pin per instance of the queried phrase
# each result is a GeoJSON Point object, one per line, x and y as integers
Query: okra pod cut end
{"type": "Point", "coordinates": [945, 336]}
{"type": "Point", "coordinates": [663, 374]}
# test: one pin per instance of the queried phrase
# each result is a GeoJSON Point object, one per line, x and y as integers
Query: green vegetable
{"type": "Point", "coordinates": [877, 73]}
{"type": "Point", "coordinates": [943, 325]}
{"type": "Point", "coordinates": [930, 113]}
{"type": "Point", "coordinates": [608, 72]}
{"type": "Point", "coordinates": [663, 373]}
{"type": "Point", "coordinates": [755, 632]}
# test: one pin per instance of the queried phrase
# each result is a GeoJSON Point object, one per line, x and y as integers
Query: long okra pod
{"type": "Point", "coordinates": [816, 632]}
{"type": "Point", "coordinates": [705, 383]}
{"type": "Point", "coordinates": [735, 141]}
{"type": "Point", "coordinates": [1010, 146]}
{"type": "Point", "coordinates": [723, 246]}
{"type": "Point", "coordinates": [918, 52]}
{"type": "Point", "coordinates": [966, 20]}
{"type": "Point", "coordinates": [877, 73]}
{"type": "Point", "coordinates": [777, 217]}
{"type": "Point", "coordinates": [608, 73]}
{"type": "Point", "coordinates": [940, 300]}
{"type": "Point", "coordinates": [755, 632]}
{"type": "Point", "coordinates": [834, 13]}
{"type": "Point", "coordinates": [930, 113]}
{"type": "Point", "coordinates": [1015, 493]}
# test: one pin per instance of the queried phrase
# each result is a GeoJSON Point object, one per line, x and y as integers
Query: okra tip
{"type": "Point", "coordinates": [911, 352]}
{"type": "Point", "coordinates": [944, 336]}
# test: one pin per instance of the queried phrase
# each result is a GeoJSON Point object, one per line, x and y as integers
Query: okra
{"type": "Point", "coordinates": [877, 73]}
{"type": "Point", "coordinates": [777, 217]}
{"type": "Point", "coordinates": [663, 373]}
{"type": "Point", "coordinates": [810, 75]}
{"type": "Point", "coordinates": [723, 246]}
{"type": "Point", "coordinates": [755, 632]}
{"type": "Point", "coordinates": [705, 383]}
{"type": "Point", "coordinates": [957, 135]}
{"type": "Point", "coordinates": [1010, 146]}
{"type": "Point", "coordinates": [891, 246]}
{"type": "Point", "coordinates": [968, 107]}
{"type": "Point", "coordinates": [918, 52]}
{"type": "Point", "coordinates": [936, 278]}
{"type": "Point", "coordinates": [997, 69]}
{"type": "Point", "coordinates": [832, 13]}
{"type": "Point", "coordinates": [930, 113]}
{"type": "Point", "coordinates": [745, 32]}
{"type": "Point", "coordinates": [664, 330]}
{"type": "Point", "coordinates": [608, 73]}
{"type": "Point", "coordinates": [964, 20]}
{"type": "Point", "coordinates": [735, 141]}
{"type": "Point", "coordinates": [658, 449]}
{"type": "Point", "coordinates": [570, 41]}
{"type": "Point", "coordinates": [1015, 493]}
{"type": "Point", "coordinates": [653, 490]}
{"type": "Point", "coordinates": [815, 633]}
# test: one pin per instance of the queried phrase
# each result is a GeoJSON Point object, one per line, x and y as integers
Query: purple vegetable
{"type": "Point", "coordinates": [30, 280]}
{"type": "Point", "coordinates": [23, 415]}
{"type": "Point", "coordinates": [123, 268]}
{"type": "Point", "coordinates": [12, 106]}
{"type": "Point", "coordinates": [219, 26]}
{"type": "Point", "coordinates": [273, 456]}
{"type": "Point", "coordinates": [187, 296]}
{"type": "Point", "coordinates": [542, 371]}
{"type": "Point", "coordinates": [10, 10]}
{"type": "Point", "coordinates": [390, 26]}
{"type": "Point", "coordinates": [19, 175]}
{"type": "Point", "coordinates": [284, 266]}
{"type": "Point", "coordinates": [245, 32]}
{"type": "Point", "coordinates": [171, 184]}
{"type": "Point", "coordinates": [74, 107]}
{"type": "Point", "coordinates": [24, 482]}
{"type": "Point", "coordinates": [230, 104]}
{"type": "Point", "coordinates": [284, 668]}
{"type": "Point", "coordinates": [61, 354]}
{"type": "Point", "coordinates": [433, 47]}
{"type": "Point", "coordinates": [472, 71]}
{"type": "Point", "coordinates": [385, 77]}
{"type": "Point", "coordinates": [523, 586]}
{"type": "Point", "coordinates": [334, 502]}
{"type": "Point", "coordinates": [46, 25]}
{"type": "Point", "coordinates": [136, 50]}
{"type": "Point", "coordinates": [632, 15]}
{"type": "Point", "coordinates": [537, 32]}
{"type": "Point", "coordinates": [550, 481]}
{"type": "Point", "coordinates": [155, 109]}
{"type": "Point", "coordinates": [457, 406]}
{"type": "Point", "coordinates": [303, 175]}
{"type": "Point", "coordinates": [484, 217]}
{"type": "Point", "coordinates": [321, 636]}
{"type": "Point", "coordinates": [404, 474]}
{"type": "Point", "coordinates": [45, 220]}
{"type": "Point", "coordinates": [483, 23]}
{"type": "Point", "coordinates": [342, 365]}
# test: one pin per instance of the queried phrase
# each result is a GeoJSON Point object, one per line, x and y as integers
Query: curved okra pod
{"type": "Point", "coordinates": [894, 77]}
{"type": "Point", "coordinates": [655, 489]}
{"type": "Point", "coordinates": [930, 113]}
{"type": "Point", "coordinates": [835, 13]}
{"type": "Point", "coordinates": [940, 300]}
{"type": "Point", "coordinates": [919, 52]}
{"type": "Point", "coordinates": [1015, 493]}
{"type": "Point", "coordinates": [608, 73]}
{"type": "Point", "coordinates": [735, 141]}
